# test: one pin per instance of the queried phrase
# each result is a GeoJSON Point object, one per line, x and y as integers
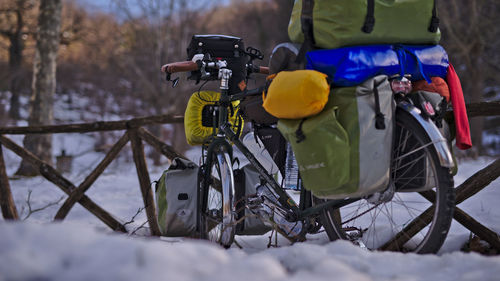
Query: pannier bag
{"type": "Point", "coordinates": [346, 149]}
{"type": "Point", "coordinates": [246, 180]}
{"type": "Point", "coordinates": [351, 66]}
{"type": "Point", "coordinates": [274, 143]}
{"type": "Point", "coordinates": [229, 48]}
{"type": "Point", "coordinates": [342, 23]}
{"type": "Point", "coordinates": [176, 199]}
{"type": "Point", "coordinates": [199, 117]}
{"type": "Point", "coordinates": [296, 94]}
{"type": "Point", "coordinates": [252, 111]}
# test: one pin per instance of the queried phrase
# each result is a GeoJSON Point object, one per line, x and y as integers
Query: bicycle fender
{"type": "Point", "coordinates": [437, 139]}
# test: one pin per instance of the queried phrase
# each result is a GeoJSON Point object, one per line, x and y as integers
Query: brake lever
{"type": "Point", "coordinates": [175, 82]}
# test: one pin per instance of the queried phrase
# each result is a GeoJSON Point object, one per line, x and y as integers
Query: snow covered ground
{"type": "Point", "coordinates": [83, 248]}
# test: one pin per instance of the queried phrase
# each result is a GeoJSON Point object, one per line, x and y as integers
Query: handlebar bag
{"type": "Point", "coordinates": [228, 48]}
{"type": "Point", "coordinates": [296, 94]}
{"type": "Point", "coordinates": [176, 198]}
{"type": "Point", "coordinates": [199, 121]}
{"type": "Point", "coordinates": [340, 23]}
{"type": "Point", "coordinates": [351, 66]}
{"type": "Point", "coordinates": [345, 151]}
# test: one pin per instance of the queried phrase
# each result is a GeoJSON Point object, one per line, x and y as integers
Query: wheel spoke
{"type": "Point", "coordinates": [406, 222]}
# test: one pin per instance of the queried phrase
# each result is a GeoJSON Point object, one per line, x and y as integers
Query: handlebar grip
{"type": "Point", "coordinates": [181, 66]}
{"type": "Point", "coordinates": [264, 70]}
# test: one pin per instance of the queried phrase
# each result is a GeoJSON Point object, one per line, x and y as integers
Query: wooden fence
{"type": "Point", "coordinates": [136, 134]}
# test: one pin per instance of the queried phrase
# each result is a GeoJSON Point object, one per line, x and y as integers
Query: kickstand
{"type": "Point", "coordinates": [274, 233]}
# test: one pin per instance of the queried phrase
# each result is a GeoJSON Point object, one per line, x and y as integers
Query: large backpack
{"type": "Point", "coordinates": [345, 151]}
{"type": "Point", "coordinates": [331, 24]}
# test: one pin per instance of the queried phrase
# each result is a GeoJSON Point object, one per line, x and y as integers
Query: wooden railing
{"type": "Point", "coordinates": [134, 132]}
{"type": "Point", "coordinates": [136, 135]}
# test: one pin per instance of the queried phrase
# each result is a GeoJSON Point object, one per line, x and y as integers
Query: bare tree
{"type": "Point", "coordinates": [15, 27]}
{"type": "Point", "coordinates": [471, 36]}
{"type": "Point", "coordinates": [44, 83]}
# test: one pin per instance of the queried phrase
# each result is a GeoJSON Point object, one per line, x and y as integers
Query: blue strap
{"type": "Point", "coordinates": [402, 59]}
{"type": "Point", "coordinates": [402, 50]}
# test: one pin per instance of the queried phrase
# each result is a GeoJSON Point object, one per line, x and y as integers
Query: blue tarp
{"type": "Point", "coordinates": [351, 66]}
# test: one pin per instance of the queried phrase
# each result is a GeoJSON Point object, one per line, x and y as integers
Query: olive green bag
{"type": "Point", "coordinates": [345, 151]}
{"type": "Point", "coordinates": [342, 23]}
{"type": "Point", "coordinates": [176, 196]}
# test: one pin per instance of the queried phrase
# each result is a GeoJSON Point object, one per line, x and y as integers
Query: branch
{"type": "Point", "coordinates": [133, 218]}
{"type": "Point", "coordinates": [138, 228]}
{"type": "Point", "coordinates": [32, 211]}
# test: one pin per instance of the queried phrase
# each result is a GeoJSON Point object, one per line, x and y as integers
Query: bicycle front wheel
{"type": "Point", "coordinates": [418, 215]}
{"type": "Point", "coordinates": [217, 215]}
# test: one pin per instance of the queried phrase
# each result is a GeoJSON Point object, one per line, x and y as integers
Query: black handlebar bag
{"type": "Point", "coordinates": [220, 47]}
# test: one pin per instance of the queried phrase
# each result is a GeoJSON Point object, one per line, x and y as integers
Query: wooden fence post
{"type": "Point", "coordinates": [144, 181]}
{"type": "Point", "coordinates": [6, 201]}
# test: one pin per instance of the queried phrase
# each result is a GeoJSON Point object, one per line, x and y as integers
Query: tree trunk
{"type": "Point", "coordinates": [15, 61]}
{"type": "Point", "coordinates": [44, 83]}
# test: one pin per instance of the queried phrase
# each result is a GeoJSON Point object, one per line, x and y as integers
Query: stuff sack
{"type": "Point", "coordinates": [352, 66]}
{"type": "Point", "coordinates": [200, 119]}
{"type": "Point", "coordinates": [177, 199]}
{"type": "Point", "coordinates": [345, 151]}
{"type": "Point", "coordinates": [296, 94]}
{"type": "Point", "coordinates": [246, 181]}
{"type": "Point", "coordinates": [283, 57]}
{"type": "Point", "coordinates": [438, 85]}
{"type": "Point", "coordinates": [340, 23]}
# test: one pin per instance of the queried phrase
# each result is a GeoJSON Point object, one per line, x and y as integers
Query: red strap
{"type": "Point", "coordinates": [463, 140]}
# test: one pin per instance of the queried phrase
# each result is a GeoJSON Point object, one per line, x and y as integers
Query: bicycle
{"type": "Point", "coordinates": [422, 184]}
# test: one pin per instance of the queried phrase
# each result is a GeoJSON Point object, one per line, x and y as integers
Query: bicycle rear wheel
{"type": "Point", "coordinates": [418, 216]}
{"type": "Point", "coordinates": [217, 215]}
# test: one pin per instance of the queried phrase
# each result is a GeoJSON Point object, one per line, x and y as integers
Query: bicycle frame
{"type": "Point", "coordinates": [226, 133]}
{"type": "Point", "coordinates": [294, 212]}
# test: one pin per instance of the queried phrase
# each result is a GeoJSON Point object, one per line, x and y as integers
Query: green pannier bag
{"type": "Point", "coordinates": [176, 198]}
{"type": "Point", "coordinates": [339, 23]}
{"type": "Point", "coordinates": [345, 151]}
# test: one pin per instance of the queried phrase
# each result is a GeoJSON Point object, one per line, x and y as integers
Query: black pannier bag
{"type": "Point", "coordinates": [274, 143]}
{"type": "Point", "coordinates": [252, 111]}
{"type": "Point", "coordinates": [228, 48]}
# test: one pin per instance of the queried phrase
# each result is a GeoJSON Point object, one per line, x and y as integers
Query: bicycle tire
{"type": "Point", "coordinates": [217, 211]}
{"type": "Point", "coordinates": [372, 229]}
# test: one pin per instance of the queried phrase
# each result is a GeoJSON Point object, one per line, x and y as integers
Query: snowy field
{"type": "Point", "coordinates": [83, 248]}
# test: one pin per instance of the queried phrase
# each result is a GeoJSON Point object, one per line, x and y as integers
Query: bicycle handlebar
{"type": "Point", "coordinates": [181, 66]}
{"type": "Point", "coordinates": [184, 66]}
{"type": "Point", "coordinates": [263, 70]}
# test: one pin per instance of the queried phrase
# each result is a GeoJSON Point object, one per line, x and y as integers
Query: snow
{"type": "Point", "coordinates": [82, 248]}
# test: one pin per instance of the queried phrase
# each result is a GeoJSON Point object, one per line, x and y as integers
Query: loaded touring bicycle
{"type": "Point", "coordinates": [409, 202]}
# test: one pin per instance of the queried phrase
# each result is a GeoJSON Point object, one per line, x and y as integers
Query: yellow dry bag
{"type": "Point", "coordinates": [199, 117]}
{"type": "Point", "coordinates": [296, 94]}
